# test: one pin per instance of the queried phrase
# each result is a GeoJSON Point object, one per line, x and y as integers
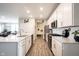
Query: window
{"type": "Point", "coordinates": [10, 27]}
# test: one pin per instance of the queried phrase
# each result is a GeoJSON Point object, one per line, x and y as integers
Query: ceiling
{"type": "Point", "coordinates": [20, 9]}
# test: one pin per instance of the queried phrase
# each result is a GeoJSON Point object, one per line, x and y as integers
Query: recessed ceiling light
{"type": "Point", "coordinates": [41, 8]}
{"type": "Point", "coordinates": [28, 11]}
{"type": "Point", "coordinates": [41, 15]}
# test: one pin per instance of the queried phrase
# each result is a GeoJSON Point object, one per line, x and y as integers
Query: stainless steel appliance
{"type": "Point", "coordinates": [46, 31]}
{"type": "Point", "coordinates": [50, 39]}
{"type": "Point", "coordinates": [65, 32]}
{"type": "Point", "coordinates": [54, 24]}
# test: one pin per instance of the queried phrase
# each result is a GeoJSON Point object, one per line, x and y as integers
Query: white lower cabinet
{"type": "Point", "coordinates": [60, 48]}
{"type": "Point", "coordinates": [24, 46]}
{"type": "Point", "coordinates": [56, 48]}
{"type": "Point", "coordinates": [28, 43]}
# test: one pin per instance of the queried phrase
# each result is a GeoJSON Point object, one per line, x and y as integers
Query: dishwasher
{"type": "Point", "coordinates": [50, 41]}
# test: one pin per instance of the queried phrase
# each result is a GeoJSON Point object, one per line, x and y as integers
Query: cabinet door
{"type": "Point", "coordinates": [54, 16]}
{"type": "Point", "coordinates": [60, 15]}
{"type": "Point", "coordinates": [28, 43]}
{"type": "Point", "coordinates": [53, 47]}
{"type": "Point", "coordinates": [22, 48]}
{"type": "Point", "coordinates": [64, 14]}
{"type": "Point", "coordinates": [58, 48]}
{"type": "Point", "coordinates": [67, 14]}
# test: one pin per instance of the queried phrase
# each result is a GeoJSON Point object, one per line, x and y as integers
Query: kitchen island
{"type": "Point", "coordinates": [14, 45]}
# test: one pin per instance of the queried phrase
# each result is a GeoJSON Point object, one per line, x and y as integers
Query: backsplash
{"type": "Point", "coordinates": [59, 31]}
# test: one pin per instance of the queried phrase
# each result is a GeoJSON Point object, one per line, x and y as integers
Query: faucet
{"type": "Point", "coordinates": [21, 30]}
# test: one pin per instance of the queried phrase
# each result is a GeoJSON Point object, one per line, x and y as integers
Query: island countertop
{"type": "Point", "coordinates": [11, 38]}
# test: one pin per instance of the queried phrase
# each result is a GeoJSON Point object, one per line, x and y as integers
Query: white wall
{"type": "Point", "coordinates": [28, 27]}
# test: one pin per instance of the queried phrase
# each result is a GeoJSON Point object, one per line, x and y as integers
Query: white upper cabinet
{"type": "Point", "coordinates": [54, 15]}
{"type": "Point", "coordinates": [66, 14]}
{"type": "Point", "coordinates": [60, 15]}
{"type": "Point", "coordinates": [52, 18]}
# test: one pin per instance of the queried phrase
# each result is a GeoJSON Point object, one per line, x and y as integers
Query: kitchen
{"type": "Point", "coordinates": [12, 43]}
{"type": "Point", "coordinates": [64, 30]}
{"type": "Point", "coordinates": [59, 28]}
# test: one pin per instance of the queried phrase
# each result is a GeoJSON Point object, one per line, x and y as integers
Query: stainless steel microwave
{"type": "Point", "coordinates": [54, 24]}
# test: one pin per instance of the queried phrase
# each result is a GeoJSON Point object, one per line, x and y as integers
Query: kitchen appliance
{"type": "Point", "coordinates": [65, 33]}
{"type": "Point", "coordinates": [50, 31]}
{"type": "Point", "coordinates": [46, 31]}
{"type": "Point", "coordinates": [54, 24]}
{"type": "Point", "coordinates": [50, 39]}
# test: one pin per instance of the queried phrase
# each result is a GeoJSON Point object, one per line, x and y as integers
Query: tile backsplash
{"type": "Point", "coordinates": [60, 30]}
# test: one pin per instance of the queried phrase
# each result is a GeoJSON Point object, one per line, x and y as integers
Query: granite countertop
{"type": "Point", "coordinates": [64, 40]}
{"type": "Point", "coordinates": [11, 38]}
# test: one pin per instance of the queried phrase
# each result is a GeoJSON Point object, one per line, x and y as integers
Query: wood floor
{"type": "Point", "coordinates": [40, 48]}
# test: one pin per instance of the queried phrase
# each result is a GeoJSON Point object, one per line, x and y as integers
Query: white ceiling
{"type": "Point", "coordinates": [19, 9]}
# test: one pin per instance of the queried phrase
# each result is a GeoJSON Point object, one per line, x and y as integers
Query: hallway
{"type": "Point", "coordinates": [39, 48]}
